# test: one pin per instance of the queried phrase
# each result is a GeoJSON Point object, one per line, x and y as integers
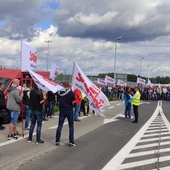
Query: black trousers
{"type": "Point", "coordinates": [135, 111]}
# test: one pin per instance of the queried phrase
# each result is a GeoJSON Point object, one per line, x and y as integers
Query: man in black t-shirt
{"type": "Point", "coordinates": [66, 100]}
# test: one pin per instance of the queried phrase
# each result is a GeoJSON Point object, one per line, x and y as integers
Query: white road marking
{"type": "Point", "coordinates": [144, 162]}
{"type": "Point", "coordinates": [121, 155]}
{"type": "Point", "coordinates": [153, 139]}
{"type": "Point", "coordinates": [164, 168]}
{"type": "Point", "coordinates": [131, 155]}
{"type": "Point", "coordinates": [151, 145]}
{"type": "Point", "coordinates": [150, 135]}
{"type": "Point", "coordinates": [111, 107]}
{"type": "Point", "coordinates": [54, 127]}
{"type": "Point", "coordinates": [158, 130]}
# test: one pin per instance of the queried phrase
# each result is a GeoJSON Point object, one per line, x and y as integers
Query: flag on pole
{"type": "Point", "coordinates": [101, 82]}
{"type": "Point", "coordinates": [121, 83]}
{"type": "Point", "coordinates": [53, 72]}
{"type": "Point", "coordinates": [28, 57]}
{"type": "Point", "coordinates": [109, 80]}
{"type": "Point", "coordinates": [97, 100]}
{"type": "Point", "coordinates": [149, 82]}
{"type": "Point", "coordinates": [140, 80]}
{"type": "Point", "coordinates": [44, 83]}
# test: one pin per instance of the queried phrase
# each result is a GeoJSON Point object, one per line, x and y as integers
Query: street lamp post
{"type": "Point", "coordinates": [91, 66]}
{"type": "Point", "coordinates": [148, 72]}
{"type": "Point", "coordinates": [141, 65]}
{"type": "Point", "coordinates": [48, 43]}
{"type": "Point", "coordinates": [117, 39]}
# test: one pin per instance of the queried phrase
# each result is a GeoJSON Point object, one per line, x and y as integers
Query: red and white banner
{"type": "Point", "coordinates": [97, 100]}
{"type": "Point", "coordinates": [121, 83]}
{"type": "Point", "coordinates": [101, 82]}
{"type": "Point", "coordinates": [44, 83]}
{"type": "Point", "coordinates": [109, 80]}
{"type": "Point", "coordinates": [28, 57]}
{"type": "Point", "coordinates": [53, 72]}
{"type": "Point", "coordinates": [140, 80]}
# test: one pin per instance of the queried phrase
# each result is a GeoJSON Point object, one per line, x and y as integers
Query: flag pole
{"type": "Point", "coordinates": [72, 74]}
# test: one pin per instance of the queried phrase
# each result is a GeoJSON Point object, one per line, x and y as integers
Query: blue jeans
{"type": "Point", "coordinates": [128, 111]}
{"type": "Point", "coordinates": [76, 111]}
{"type": "Point", "coordinates": [51, 108]}
{"type": "Point", "coordinates": [62, 116]}
{"type": "Point", "coordinates": [28, 114]}
{"type": "Point", "coordinates": [36, 117]}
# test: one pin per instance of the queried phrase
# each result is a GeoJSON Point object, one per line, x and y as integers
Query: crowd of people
{"type": "Point", "coordinates": [39, 106]}
{"type": "Point", "coordinates": [147, 92]}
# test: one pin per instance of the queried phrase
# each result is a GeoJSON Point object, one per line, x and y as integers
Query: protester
{"type": "Point", "coordinates": [78, 97]}
{"type": "Point", "coordinates": [26, 102]}
{"type": "Point", "coordinates": [136, 103]}
{"type": "Point", "coordinates": [51, 103]}
{"type": "Point", "coordinates": [66, 100]}
{"type": "Point", "coordinates": [36, 105]}
{"type": "Point", "coordinates": [2, 103]}
{"type": "Point", "coordinates": [13, 105]}
{"type": "Point", "coordinates": [128, 101]}
{"type": "Point", "coordinates": [82, 108]}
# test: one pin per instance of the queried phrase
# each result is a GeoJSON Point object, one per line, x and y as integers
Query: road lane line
{"type": "Point", "coordinates": [131, 155]}
{"type": "Point", "coordinates": [111, 107]}
{"type": "Point", "coordinates": [144, 162]}
{"type": "Point", "coordinates": [153, 139]}
{"type": "Point", "coordinates": [151, 145]}
{"type": "Point", "coordinates": [149, 135]}
{"type": "Point", "coordinates": [66, 123]}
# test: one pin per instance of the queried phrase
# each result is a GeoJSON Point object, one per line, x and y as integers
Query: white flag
{"type": "Point", "coordinates": [97, 100]}
{"type": "Point", "coordinates": [140, 80]}
{"type": "Point", "coordinates": [101, 82]}
{"type": "Point", "coordinates": [109, 80]}
{"type": "Point", "coordinates": [149, 82]}
{"type": "Point", "coordinates": [121, 83]}
{"type": "Point", "coordinates": [44, 83]}
{"type": "Point", "coordinates": [54, 72]}
{"type": "Point", "coordinates": [28, 57]}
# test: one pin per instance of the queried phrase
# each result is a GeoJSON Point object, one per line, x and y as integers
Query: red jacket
{"type": "Point", "coordinates": [78, 96]}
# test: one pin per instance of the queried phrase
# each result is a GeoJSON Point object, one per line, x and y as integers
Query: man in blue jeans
{"type": "Point", "coordinates": [26, 101]}
{"type": "Point", "coordinates": [66, 100]}
{"type": "Point", "coordinates": [36, 105]}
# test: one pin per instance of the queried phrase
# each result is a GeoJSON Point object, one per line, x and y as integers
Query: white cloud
{"type": "Point", "coordinates": [88, 29]}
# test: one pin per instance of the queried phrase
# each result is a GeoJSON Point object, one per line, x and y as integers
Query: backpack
{"type": "Point", "coordinates": [26, 99]}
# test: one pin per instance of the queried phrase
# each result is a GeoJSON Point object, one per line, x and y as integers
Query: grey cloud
{"type": "Point", "coordinates": [19, 18]}
{"type": "Point", "coordinates": [133, 20]}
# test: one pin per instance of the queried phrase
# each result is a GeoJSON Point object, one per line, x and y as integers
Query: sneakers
{"type": "Point", "coordinates": [17, 134]}
{"type": "Point", "coordinates": [40, 141]}
{"type": "Point", "coordinates": [57, 143]}
{"type": "Point", "coordinates": [134, 121]}
{"type": "Point", "coordinates": [72, 144]}
{"type": "Point", "coordinates": [2, 127]}
{"type": "Point", "coordinates": [9, 137]}
{"type": "Point", "coordinates": [77, 120]}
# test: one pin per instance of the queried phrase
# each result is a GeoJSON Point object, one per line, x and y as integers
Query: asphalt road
{"type": "Point", "coordinates": [102, 143]}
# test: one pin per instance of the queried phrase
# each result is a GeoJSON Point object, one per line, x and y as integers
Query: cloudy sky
{"type": "Point", "coordinates": [85, 31]}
